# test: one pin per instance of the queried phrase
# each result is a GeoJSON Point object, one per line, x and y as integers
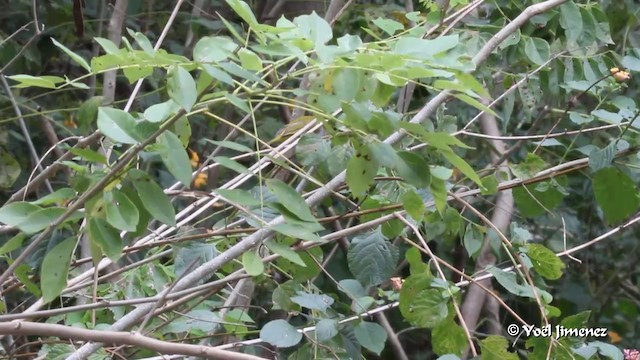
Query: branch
{"type": "Point", "coordinates": [126, 338]}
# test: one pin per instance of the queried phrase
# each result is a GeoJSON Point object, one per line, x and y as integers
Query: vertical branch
{"type": "Point", "coordinates": [114, 33]}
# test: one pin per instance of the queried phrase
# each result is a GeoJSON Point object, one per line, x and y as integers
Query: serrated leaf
{"type": "Point", "coordinates": [371, 335]}
{"type": "Point", "coordinates": [106, 237]}
{"type": "Point", "coordinates": [280, 333]}
{"type": "Point", "coordinates": [181, 87]}
{"type": "Point", "coordinates": [616, 194]}
{"type": "Point", "coordinates": [371, 258]}
{"type": "Point", "coordinates": [175, 157]}
{"type": "Point", "coordinates": [154, 200]}
{"type": "Point", "coordinates": [495, 348]}
{"type": "Point", "coordinates": [55, 268]}
{"type": "Point", "coordinates": [545, 261]}
{"type": "Point", "coordinates": [449, 338]}
{"type": "Point", "coordinates": [252, 263]}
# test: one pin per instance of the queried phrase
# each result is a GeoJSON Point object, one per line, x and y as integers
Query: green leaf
{"type": "Point", "coordinates": [290, 199]}
{"type": "Point", "coordinates": [508, 281]}
{"type": "Point", "coordinates": [89, 155]}
{"type": "Point", "coordinates": [252, 263]}
{"type": "Point", "coordinates": [280, 333]}
{"type": "Point", "coordinates": [414, 169]}
{"type": "Point", "coordinates": [249, 60]}
{"type": "Point", "coordinates": [181, 87]}
{"type": "Point", "coordinates": [286, 252]}
{"type": "Point", "coordinates": [571, 21]}
{"type": "Point", "coordinates": [154, 200]}
{"type": "Point", "coordinates": [361, 170]}
{"type": "Point", "coordinates": [462, 165]}
{"type": "Point", "coordinates": [218, 74]}
{"type": "Point", "coordinates": [239, 196]}
{"type": "Point", "coordinates": [117, 124]}
{"type": "Point", "coordinates": [545, 261]}
{"type": "Point", "coordinates": [231, 145]}
{"type": "Point", "coordinates": [213, 49]}
{"type": "Point", "coordinates": [413, 204]}
{"type": "Point", "coordinates": [532, 165]}
{"type": "Point", "coordinates": [107, 45]}
{"type": "Point", "coordinates": [142, 41]}
{"type": "Point", "coordinates": [472, 240]}
{"type": "Point", "coordinates": [162, 111]}
{"type": "Point", "coordinates": [121, 211]}
{"type": "Point", "coordinates": [439, 191]}
{"type": "Point", "coordinates": [371, 335]}
{"type": "Point", "coordinates": [387, 25]}
{"type": "Point", "coordinates": [421, 306]}
{"type": "Point", "coordinates": [490, 184]}
{"type": "Point", "coordinates": [576, 321]}
{"type": "Point", "coordinates": [449, 338]}
{"type": "Point", "coordinates": [55, 268]}
{"type": "Point", "coordinates": [47, 82]}
{"type": "Point", "coordinates": [601, 158]}
{"type": "Point", "coordinates": [106, 238]}
{"type": "Point", "coordinates": [231, 164]}
{"type": "Point", "coordinates": [10, 169]}
{"type": "Point", "coordinates": [244, 11]}
{"type": "Point", "coordinates": [174, 157]}
{"type": "Point", "coordinates": [535, 200]}
{"type": "Point", "coordinates": [326, 329]}
{"type": "Point", "coordinates": [537, 50]}
{"type": "Point", "coordinates": [13, 243]}
{"type": "Point", "coordinates": [495, 348]}
{"type": "Point", "coordinates": [371, 258]}
{"type": "Point", "coordinates": [41, 219]}
{"type": "Point", "coordinates": [616, 194]}
{"type": "Point", "coordinates": [313, 301]}
{"type": "Point", "coordinates": [14, 213]}
{"type": "Point", "coordinates": [296, 232]}
{"type": "Point", "coordinates": [314, 28]}
{"type": "Point", "coordinates": [476, 104]}
{"type": "Point", "coordinates": [421, 48]}
{"type": "Point", "coordinates": [75, 57]}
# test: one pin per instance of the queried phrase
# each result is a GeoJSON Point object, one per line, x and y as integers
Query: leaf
{"type": "Point", "coordinates": [296, 232]}
{"type": "Point", "coordinates": [387, 25]}
{"type": "Point", "coordinates": [532, 165]}
{"type": "Point", "coordinates": [571, 21]}
{"type": "Point", "coordinates": [413, 204]}
{"type": "Point", "coordinates": [414, 169]}
{"type": "Point", "coordinates": [41, 219]}
{"type": "Point", "coordinates": [154, 200]}
{"type": "Point", "coordinates": [249, 60]}
{"type": "Point", "coordinates": [202, 320]}
{"type": "Point", "coordinates": [9, 169]}
{"type": "Point", "coordinates": [545, 261]}
{"type": "Point", "coordinates": [107, 45]}
{"type": "Point", "coordinates": [421, 306]}
{"type": "Point", "coordinates": [238, 102]}
{"type": "Point", "coordinates": [371, 258]}
{"type": "Point", "coordinates": [252, 263]}
{"type": "Point", "coordinates": [449, 338]}
{"type": "Point", "coordinates": [601, 158]}
{"type": "Point", "coordinates": [537, 50]}
{"type": "Point", "coordinates": [508, 281]}
{"type": "Point", "coordinates": [472, 240]}
{"type": "Point", "coordinates": [495, 348]}
{"type": "Point", "coordinates": [360, 174]}
{"type": "Point", "coordinates": [121, 212]}
{"type": "Point", "coordinates": [218, 74]}
{"type": "Point", "coordinates": [106, 238]}
{"type": "Point", "coordinates": [162, 111]}
{"type": "Point", "coordinates": [239, 196]}
{"type": "Point", "coordinates": [244, 11]}
{"type": "Point", "coordinates": [213, 50]}
{"type": "Point", "coordinates": [286, 252]}
{"type": "Point", "coordinates": [290, 199]}
{"type": "Point", "coordinates": [75, 57]}
{"type": "Point", "coordinates": [89, 155]}
{"type": "Point", "coordinates": [462, 165]}
{"type": "Point", "coordinates": [326, 329]}
{"type": "Point", "coordinates": [314, 28]}
{"type": "Point", "coordinates": [616, 194]}
{"type": "Point", "coordinates": [280, 333]}
{"type": "Point", "coordinates": [55, 268]}
{"type": "Point", "coordinates": [13, 243]}
{"type": "Point", "coordinates": [231, 145]}
{"type": "Point", "coordinates": [421, 48]}
{"type": "Point", "coordinates": [352, 288]}
{"type": "Point", "coordinates": [371, 335]}
{"type": "Point", "coordinates": [313, 301]}
{"type": "Point", "coordinates": [231, 164]}
{"type": "Point", "coordinates": [47, 82]}
{"type": "Point", "coordinates": [532, 201]}
{"type": "Point", "coordinates": [181, 87]}
{"type": "Point", "coordinates": [175, 157]}
{"type": "Point", "coordinates": [117, 124]}
{"type": "Point", "coordinates": [186, 253]}
{"type": "Point", "coordinates": [14, 213]}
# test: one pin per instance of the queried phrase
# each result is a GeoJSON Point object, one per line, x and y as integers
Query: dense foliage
{"type": "Point", "coordinates": [367, 180]}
